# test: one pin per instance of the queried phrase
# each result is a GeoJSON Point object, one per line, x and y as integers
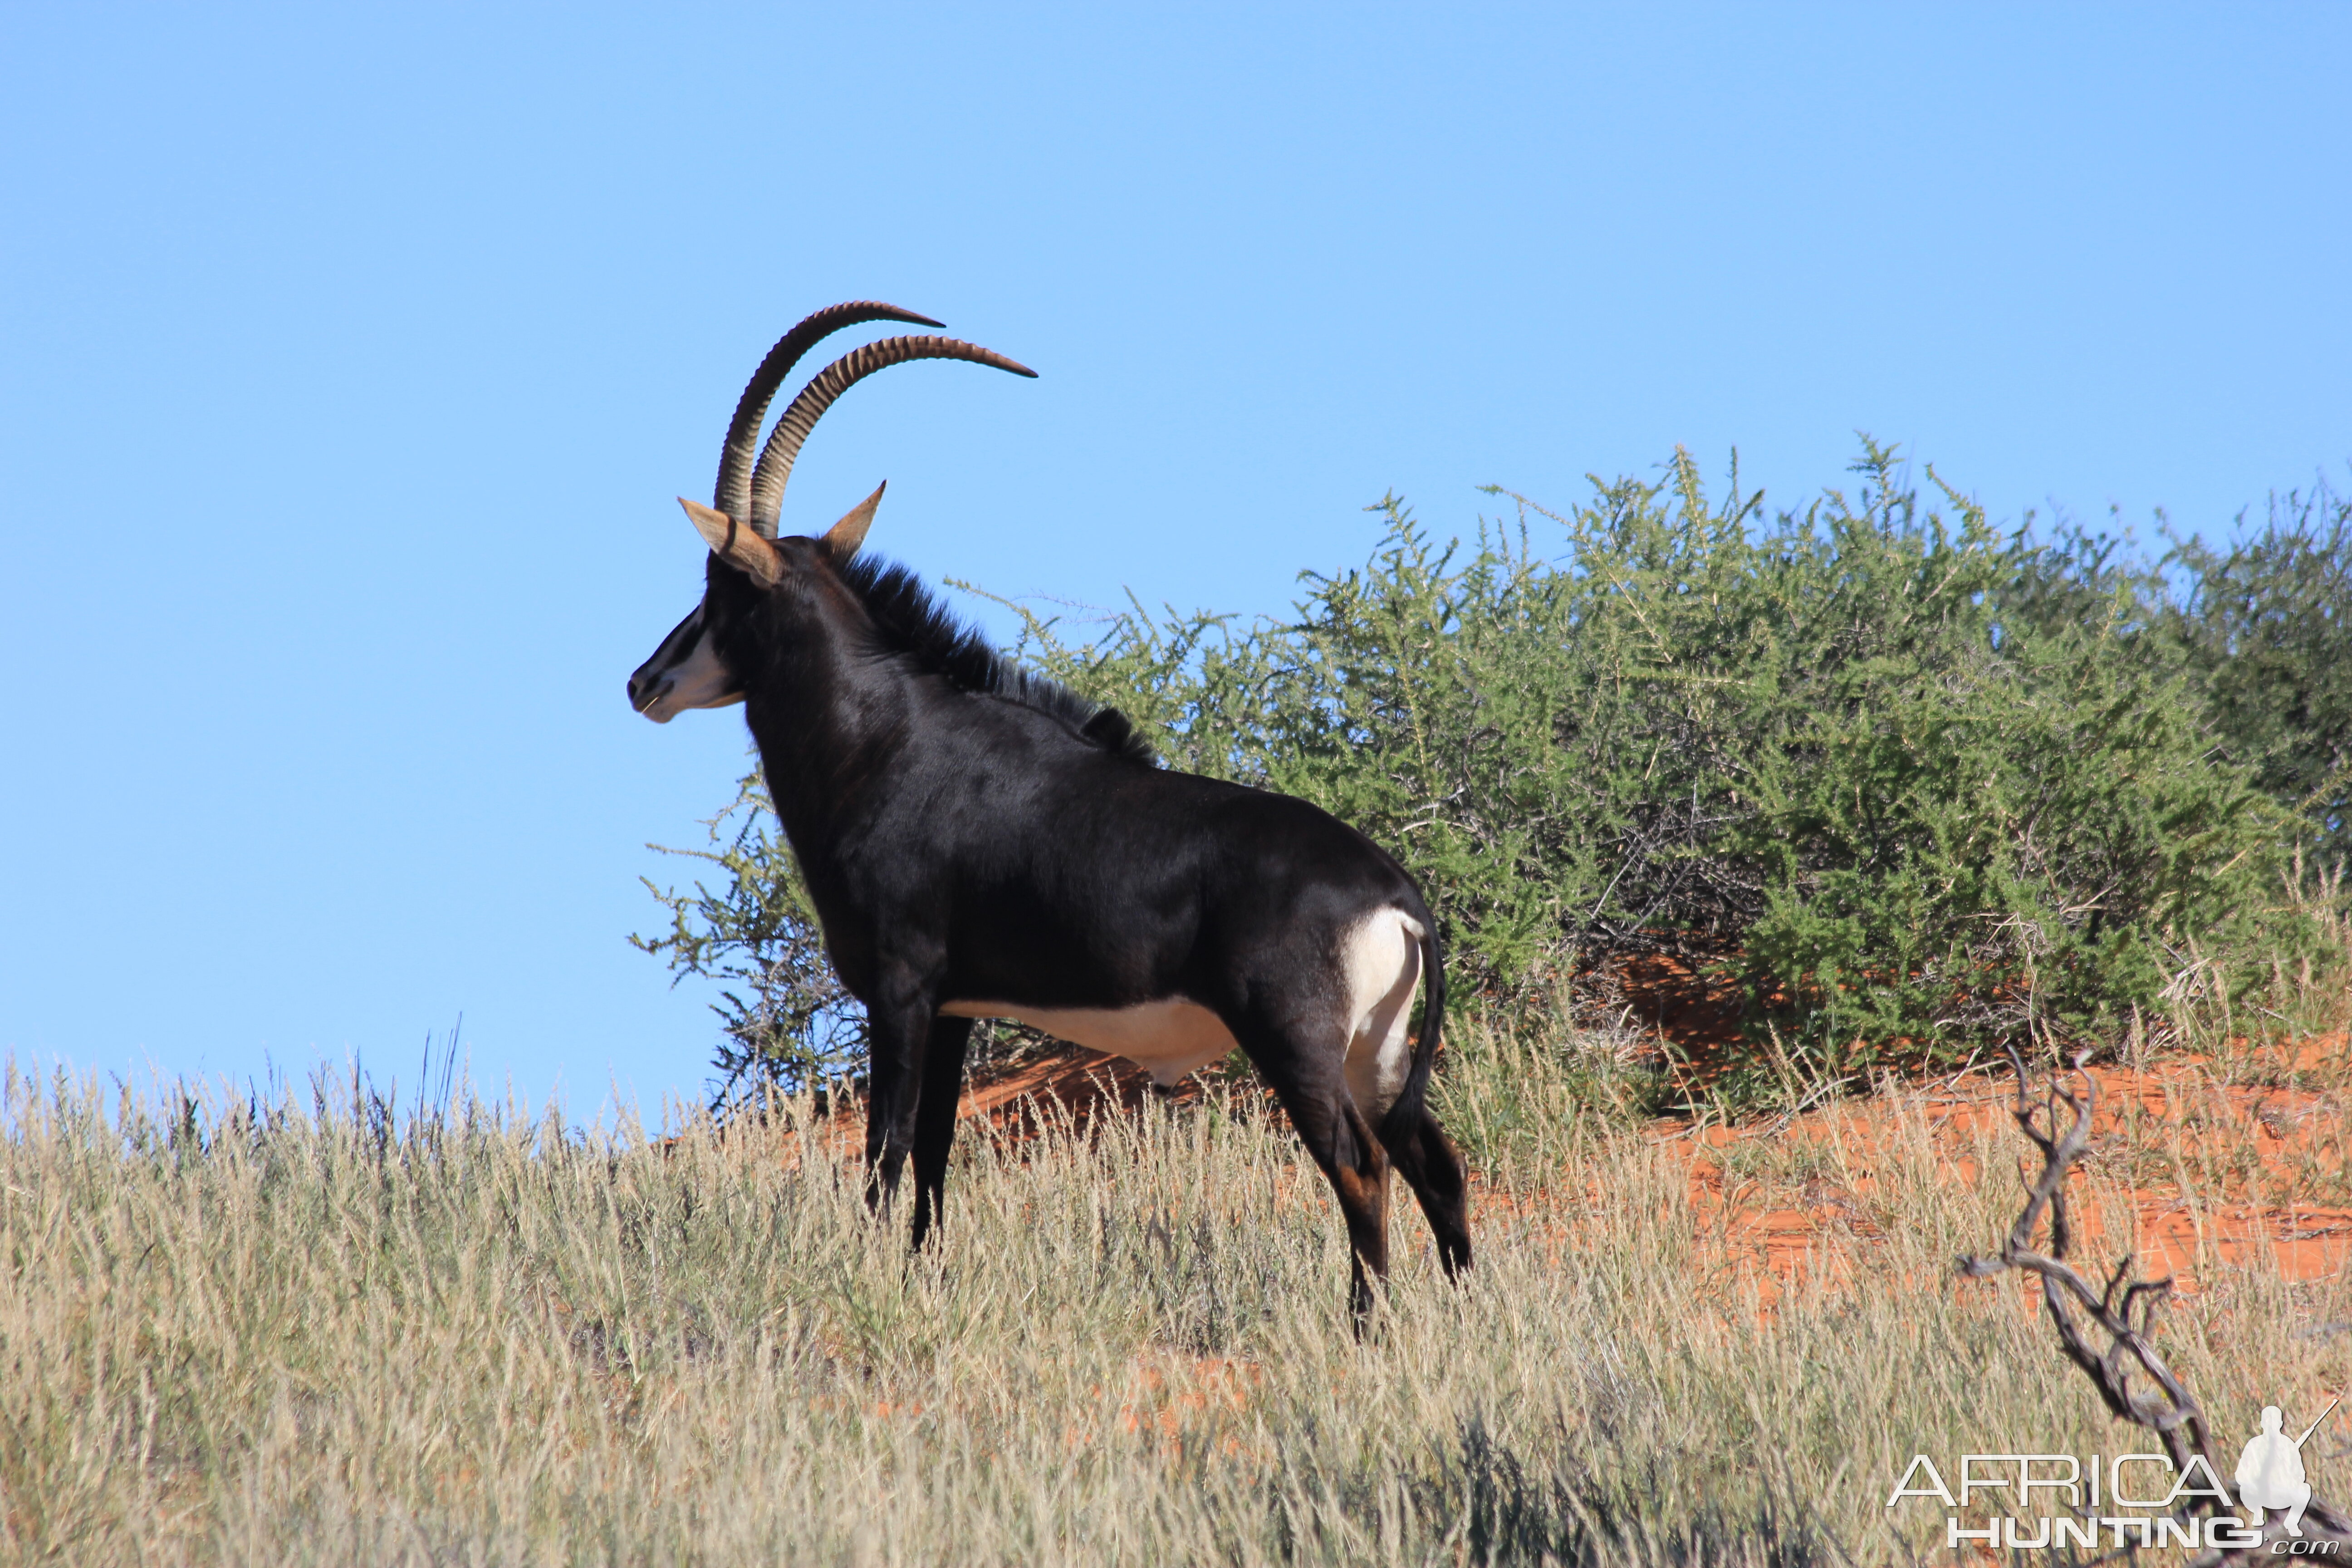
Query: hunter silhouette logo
{"type": "Point", "coordinates": [2269, 1470]}
{"type": "Point", "coordinates": [2142, 1500]}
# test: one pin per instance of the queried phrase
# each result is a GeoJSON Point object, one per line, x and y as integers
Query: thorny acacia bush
{"type": "Point", "coordinates": [1908, 785]}
{"type": "Point", "coordinates": [309, 1330]}
{"type": "Point", "coordinates": [786, 1021]}
{"type": "Point", "coordinates": [2266, 631]}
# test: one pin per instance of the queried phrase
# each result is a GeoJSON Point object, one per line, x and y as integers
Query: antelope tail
{"type": "Point", "coordinates": [1403, 1119]}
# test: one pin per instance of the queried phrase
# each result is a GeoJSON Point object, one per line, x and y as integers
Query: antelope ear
{"type": "Point", "coordinates": [842, 539]}
{"type": "Point", "coordinates": [736, 544]}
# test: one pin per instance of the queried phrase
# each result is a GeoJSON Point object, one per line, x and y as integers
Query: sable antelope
{"type": "Point", "coordinates": [981, 842]}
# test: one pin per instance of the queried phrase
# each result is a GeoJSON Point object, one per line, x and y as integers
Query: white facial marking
{"type": "Point", "coordinates": [697, 680]}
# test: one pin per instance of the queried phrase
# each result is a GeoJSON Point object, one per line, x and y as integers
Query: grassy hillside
{"type": "Point", "coordinates": [308, 1334]}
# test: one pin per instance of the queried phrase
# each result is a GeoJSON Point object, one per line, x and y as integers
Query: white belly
{"type": "Point", "coordinates": [1167, 1039]}
{"type": "Point", "coordinates": [1380, 966]}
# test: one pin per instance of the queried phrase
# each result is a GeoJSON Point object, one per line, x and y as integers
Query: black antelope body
{"type": "Point", "coordinates": [981, 843]}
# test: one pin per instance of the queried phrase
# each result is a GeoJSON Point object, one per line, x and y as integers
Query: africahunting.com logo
{"type": "Point", "coordinates": [2120, 1501]}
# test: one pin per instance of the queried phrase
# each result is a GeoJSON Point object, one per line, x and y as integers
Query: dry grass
{"type": "Point", "coordinates": [313, 1336]}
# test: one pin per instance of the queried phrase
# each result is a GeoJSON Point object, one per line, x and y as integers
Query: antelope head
{"type": "Point", "coordinates": [739, 525]}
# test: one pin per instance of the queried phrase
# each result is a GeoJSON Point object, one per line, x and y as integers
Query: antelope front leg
{"type": "Point", "coordinates": [935, 1119]}
{"type": "Point", "coordinates": [897, 1033]}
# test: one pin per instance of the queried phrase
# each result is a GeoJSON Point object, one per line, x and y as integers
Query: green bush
{"type": "Point", "coordinates": [784, 1018]}
{"type": "Point", "coordinates": [2267, 630]}
{"type": "Point", "coordinates": [2261, 632]}
{"type": "Point", "coordinates": [1910, 786]}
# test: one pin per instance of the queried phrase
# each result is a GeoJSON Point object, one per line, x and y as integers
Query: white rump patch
{"type": "Point", "coordinates": [1167, 1039]}
{"type": "Point", "coordinates": [1381, 960]}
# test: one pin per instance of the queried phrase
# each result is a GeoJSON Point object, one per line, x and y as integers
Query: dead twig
{"type": "Point", "coordinates": [2132, 1379]}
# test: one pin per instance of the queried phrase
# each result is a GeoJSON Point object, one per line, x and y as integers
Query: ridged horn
{"type": "Point", "coordinates": [733, 492]}
{"type": "Point", "coordinates": [801, 416]}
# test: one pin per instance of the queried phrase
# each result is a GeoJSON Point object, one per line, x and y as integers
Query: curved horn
{"type": "Point", "coordinates": [733, 494]}
{"type": "Point", "coordinates": [784, 443]}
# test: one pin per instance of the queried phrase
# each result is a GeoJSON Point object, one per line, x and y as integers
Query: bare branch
{"type": "Point", "coordinates": [2124, 1312]}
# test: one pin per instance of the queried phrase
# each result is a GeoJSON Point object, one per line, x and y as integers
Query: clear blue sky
{"type": "Point", "coordinates": [350, 356]}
